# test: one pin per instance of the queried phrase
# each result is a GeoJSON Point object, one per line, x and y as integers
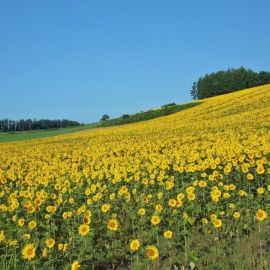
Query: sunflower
{"type": "Point", "coordinates": [50, 243]}
{"type": "Point", "coordinates": [44, 253]}
{"type": "Point", "coordinates": [65, 247]}
{"type": "Point", "coordinates": [168, 234]}
{"type": "Point", "coordinates": [21, 222]}
{"type": "Point", "coordinates": [180, 196]}
{"type": "Point", "coordinates": [232, 205]}
{"type": "Point", "coordinates": [112, 225]}
{"type": "Point", "coordinates": [134, 245]}
{"type": "Point", "coordinates": [28, 252]}
{"type": "Point", "coordinates": [172, 202]}
{"type": "Point", "coordinates": [86, 220]}
{"type": "Point", "coordinates": [12, 243]}
{"type": "Point", "coordinates": [202, 183]}
{"type": "Point", "coordinates": [152, 252]}
{"type": "Point", "coordinates": [65, 215]}
{"type": "Point", "coordinates": [260, 190]}
{"type": "Point", "coordinates": [26, 236]}
{"type": "Point", "coordinates": [191, 196]}
{"type": "Point", "coordinates": [222, 213]}
{"type": "Point", "coordinates": [260, 169]}
{"type": "Point", "coordinates": [204, 221]}
{"type": "Point", "coordinates": [75, 265]}
{"type": "Point", "coordinates": [141, 212]}
{"type": "Point", "coordinates": [155, 220]}
{"type": "Point", "coordinates": [242, 193]}
{"type": "Point", "coordinates": [190, 189]}
{"type": "Point", "coordinates": [250, 176]}
{"type": "Point", "coordinates": [84, 229]}
{"type": "Point", "coordinates": [236, 215]}
{"type": "Point", "coordinates": [31, 209]}
{"type": "Point", "coordinates": [158, 207]}
{"type": "Point", "coordinates": [261, 215]}
{"type": "Point", "coordinates": [105, 207]}
{"type": "Point", "coordinates": [179, 204]}
{"type": "Point", "coordinates": [217, 223]}
{"type": "Point", "coordinates": [32, 224]}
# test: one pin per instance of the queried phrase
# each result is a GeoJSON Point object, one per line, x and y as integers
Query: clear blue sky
{"type": "Point", "coordinates": [81, 59]}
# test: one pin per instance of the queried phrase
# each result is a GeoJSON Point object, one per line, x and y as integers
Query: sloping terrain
{"type": "Point", "coordinates": [160, 194]}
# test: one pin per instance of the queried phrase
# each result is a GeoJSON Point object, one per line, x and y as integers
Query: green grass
{"type": "Point", "coordinates": [37, 134]}
{"type": "Point", "coordinates": [148, 115]}
{"type": "Point", "coordinates": [134, 118]}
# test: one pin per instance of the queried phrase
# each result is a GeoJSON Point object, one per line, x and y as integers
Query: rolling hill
{"type": "Point", "coordinates": [180, 191]}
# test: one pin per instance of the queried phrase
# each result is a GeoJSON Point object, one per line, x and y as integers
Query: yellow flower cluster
{"type": "Point", "coordinates": [137, 187]}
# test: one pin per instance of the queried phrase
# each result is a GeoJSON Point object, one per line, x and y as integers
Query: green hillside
{"type": "Point", "coordinates": [125, 119]}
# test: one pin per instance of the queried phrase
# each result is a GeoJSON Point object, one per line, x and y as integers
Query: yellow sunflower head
{"type": "Point", "coordinates": [152, 252]}
{"type": "Point", "coordinates": [28, 252]}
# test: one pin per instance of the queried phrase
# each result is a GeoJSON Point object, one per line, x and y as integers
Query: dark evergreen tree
{"type": "Point", "coordinates": [29, 124]}
{"type": "Point", "coordinates": [228, 81]}
{"type": "Point", "coordinates": [104, 118]}
{"type": "Point", "coordinates": [193, 91]}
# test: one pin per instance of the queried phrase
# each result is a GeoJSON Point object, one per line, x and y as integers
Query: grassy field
{"type": "Point", "coordinates": [37, 134]}
{"type": "Point", "coordinates": [134, 118]}
{"type": "Point", "coordinates": [187, 191]}
{"type": "Point", "coordinates": [148, 115]}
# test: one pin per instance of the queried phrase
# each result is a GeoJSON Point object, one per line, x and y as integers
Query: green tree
{"type": "Point", "coordinates": [193, 91]}
{"type": "Point", "coordinates": [222, 82]}
{"type": "Point", "coordinates": [104, 118]}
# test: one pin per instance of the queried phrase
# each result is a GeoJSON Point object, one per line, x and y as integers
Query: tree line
{"type": "Point", "coordinates": [7, 125]}
{"type": "Point", "coordinates": [231, 80]}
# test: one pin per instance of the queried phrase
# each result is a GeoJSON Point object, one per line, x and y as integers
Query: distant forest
{"type": "Point", "coordinates": [231, 80]}
{"type": "Point", "coordinates": [7, 125]}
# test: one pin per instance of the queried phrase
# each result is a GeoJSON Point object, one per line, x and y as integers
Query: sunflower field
{"type": "Point", "coordinates": [186, 191]}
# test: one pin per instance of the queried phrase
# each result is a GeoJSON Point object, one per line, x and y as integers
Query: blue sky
{"type": "Point", "coordinates": [81, 59]}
